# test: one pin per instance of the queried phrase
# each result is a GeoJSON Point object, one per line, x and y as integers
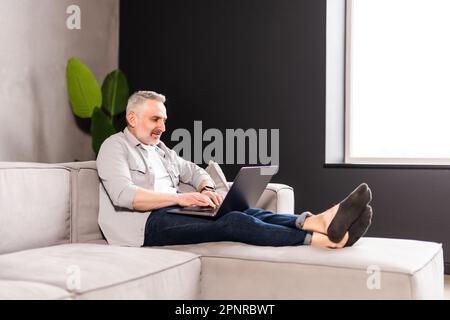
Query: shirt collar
{"type": "Point", "coordinates": [131, 138]}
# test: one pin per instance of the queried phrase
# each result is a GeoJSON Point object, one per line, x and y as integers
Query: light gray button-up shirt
{"type": "Point", "coordinates": [123, 168]}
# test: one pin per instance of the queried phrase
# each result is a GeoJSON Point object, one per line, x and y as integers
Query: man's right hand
{"type": "Point", "coordinates": [194, 199]}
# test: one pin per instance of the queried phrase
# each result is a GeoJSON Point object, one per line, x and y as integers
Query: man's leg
{"type": "Point", "coordinates": [287, 220]}
{"type": "Point", "coordinates": [348, 219]}
{"type": "Point", "coordinates": [170, 229]}
{"type": "Point", "coordinates": [306, 220]}
{"type": "Point", "coordinates": [352, 205]}
{"type": "Point", "coordinates": [316, 224]}
{"type": "Point", "coordinates": [257, 228]}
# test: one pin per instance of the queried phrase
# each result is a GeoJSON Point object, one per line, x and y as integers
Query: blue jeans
{"type": "Point", "coordinates": [252, 226]}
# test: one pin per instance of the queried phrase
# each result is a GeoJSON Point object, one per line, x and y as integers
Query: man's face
{"type": "Point", "coordinates": [148, 123]}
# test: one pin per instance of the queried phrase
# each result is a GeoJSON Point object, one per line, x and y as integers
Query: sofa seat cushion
{"type": "Point", "coordinates": [91, 271]}
{"type": "Point", "coordinates": [24, 290]}
{"type": "Point", "coordinates": [373, 268]}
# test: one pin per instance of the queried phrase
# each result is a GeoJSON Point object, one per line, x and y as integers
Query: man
{"type": "Point", "coordinates": [139, 179]}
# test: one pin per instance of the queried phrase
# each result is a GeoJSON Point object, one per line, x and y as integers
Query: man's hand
{"type": "Point", "coordinates": [194, 199]}
{"type": "Point", "coordinates": [214, 196]}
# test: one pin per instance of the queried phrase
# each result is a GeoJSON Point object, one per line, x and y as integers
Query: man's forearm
{"type": "Point", "coordinates": [146, 200]}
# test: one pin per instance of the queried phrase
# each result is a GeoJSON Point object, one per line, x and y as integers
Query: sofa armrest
{"type": "Point", "coordinates": [277, 198]}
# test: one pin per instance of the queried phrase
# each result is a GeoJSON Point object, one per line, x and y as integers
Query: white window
{"type": "Point", "coordinates": [397, 101]}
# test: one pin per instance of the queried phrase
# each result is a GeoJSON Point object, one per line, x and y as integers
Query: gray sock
{"type": "Point", "coordinates": [349, 210]}
{"type": "Point", "coordinates": [359, 227]}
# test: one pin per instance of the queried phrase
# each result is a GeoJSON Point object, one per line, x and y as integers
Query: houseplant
{"type": "Point", "coordinates": [103, 105]}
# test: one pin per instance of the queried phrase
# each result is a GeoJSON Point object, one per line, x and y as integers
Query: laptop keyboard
{"type": "Point", "coordinates": [199, 209]}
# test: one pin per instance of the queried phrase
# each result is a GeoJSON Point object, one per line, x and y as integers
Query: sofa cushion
{"type": "Point", "coordinates": [24, 290]}
{"type": "Point", "coordinates": [85, 195]}
{"type": "Point", "coordinates": [34, 206]}
{"type": "Point", "coordinates": [373, 268]}
{"type": "Point", "coordinates": [218, 177]}
{"type": "Point", "coordinates": [91, 271]}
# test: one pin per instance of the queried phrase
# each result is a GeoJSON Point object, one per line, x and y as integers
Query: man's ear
{"type": "Point", "coordinates": [131, 119]}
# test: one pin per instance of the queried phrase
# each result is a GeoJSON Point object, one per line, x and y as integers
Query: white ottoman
{"type": "Point", "coordinates": [373, 268]}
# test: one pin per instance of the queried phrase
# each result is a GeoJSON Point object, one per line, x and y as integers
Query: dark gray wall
{"type": "Point", "coordinates": [261, 64]}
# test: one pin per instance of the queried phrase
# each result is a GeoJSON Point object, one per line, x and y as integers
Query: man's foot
{"type": "Point", "coordinates": [347, 211]}
{"type": "Point", "coordinates": [322, 240]}
{"type": "Point", "coordinates": [360, 226]}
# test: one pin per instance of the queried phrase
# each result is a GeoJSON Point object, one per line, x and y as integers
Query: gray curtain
{"type": "Point", "coordinates": [37, 124]}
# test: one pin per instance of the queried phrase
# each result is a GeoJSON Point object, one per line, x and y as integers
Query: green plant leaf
{"type": "Point", "coordinates": [84, 91]}
{"type": "Point", "coordinates": [115, 92]}
{"type": "Point", "coordinates": [101, 128]}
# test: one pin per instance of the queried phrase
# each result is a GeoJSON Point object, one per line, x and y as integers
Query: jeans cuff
{"type": "Point", "coordinates": [301, 219]}
{"type": "Point", "coordinates": [308, 238]}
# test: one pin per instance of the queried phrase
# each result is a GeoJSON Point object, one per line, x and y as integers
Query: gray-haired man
{"type": "Point", "coordinates": [139, 183]}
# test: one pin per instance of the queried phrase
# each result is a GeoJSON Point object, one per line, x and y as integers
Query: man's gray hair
{"type": "Point", "coordinates": [139, 97]}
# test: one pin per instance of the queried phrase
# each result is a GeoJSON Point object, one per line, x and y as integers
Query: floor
{"type": "Point", "coordinates": [447, 287]}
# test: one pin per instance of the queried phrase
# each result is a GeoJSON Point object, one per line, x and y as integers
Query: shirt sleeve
{"type": "Point", "coordinates": [114, 173]}
{"type": "Point", "coordinates": [190, 173]}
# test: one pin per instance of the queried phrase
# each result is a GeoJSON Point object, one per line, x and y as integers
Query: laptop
{"type": "Point", "coordinates": [244, 193]}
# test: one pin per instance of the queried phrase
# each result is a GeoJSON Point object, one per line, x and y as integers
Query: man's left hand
{"type": "Point", "coordinates": [214, 196]}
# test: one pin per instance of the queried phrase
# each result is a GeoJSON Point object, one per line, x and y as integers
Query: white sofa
{"type": "Point", "coordinates": [52, 248]}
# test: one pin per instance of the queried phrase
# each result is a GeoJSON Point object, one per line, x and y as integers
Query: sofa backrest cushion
{"type": "Point", "coordinates": [35, 205]}
{"type": "Point", "coordinates": [84, 213]}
